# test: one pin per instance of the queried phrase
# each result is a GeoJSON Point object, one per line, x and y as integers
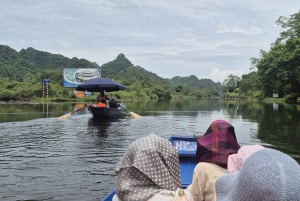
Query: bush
{"type": "Point", "coordinates": [291, 98]}
{"type": "Point", "coordinates": [258, 95]}
{"type": "Point", "coordinates": [6, 95]}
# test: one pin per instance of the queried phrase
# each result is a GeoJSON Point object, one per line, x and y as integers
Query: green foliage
{"type": "Point", "coordinates": [6, 95]}
{"type": "Point", "coordinates": [250, 83]}
{"type": "Point", "coordinates": [259, 95]}
{"type": "Point", "coordinates": [279, 68]}
{"type": "Point", "coordinates": [230, 83]}
{"type": "Point", "coordinates": [25, 70]}
{"type": "Point", "coordinates": [292, 98]}
{"type": "Point", "coordinates": [178, 88]}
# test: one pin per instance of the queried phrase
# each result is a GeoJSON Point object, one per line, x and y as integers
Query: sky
{"type": "Point", "coordinates": [205, 38]}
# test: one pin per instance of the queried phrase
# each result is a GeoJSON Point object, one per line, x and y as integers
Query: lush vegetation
{"type": "Point", "coordinates": [21, 75]}
{"type": "Point", "coordinates": [276, 70]}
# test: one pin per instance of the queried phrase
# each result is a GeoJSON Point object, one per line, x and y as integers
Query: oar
{"type": "Point", "coordinates": [69, 114]}
{"type": "Point", "coordinates": [130, 112]}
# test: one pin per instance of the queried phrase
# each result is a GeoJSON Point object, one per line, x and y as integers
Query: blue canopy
{"type": "Point", "coordinates": [100, 84]}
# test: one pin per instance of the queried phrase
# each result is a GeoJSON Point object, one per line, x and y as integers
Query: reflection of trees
{"type": "Point", "coordinates": [231, 107]}
{"type": "Point", "coordinates": [278, 127]}
{"type": "Point", "coordinates": [175, 104]}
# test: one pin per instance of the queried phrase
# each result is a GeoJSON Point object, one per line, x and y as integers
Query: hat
{"type": "Point", "coordinates": [235, 161]}
{"type": "Point", "coordinates": [266, 175]}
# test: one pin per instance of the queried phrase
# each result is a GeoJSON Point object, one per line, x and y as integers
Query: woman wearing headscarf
{"type": "Point", "coordinates": [213, 149]}
{"type": "Point", "coordinates": [266, 175]}
{"type": "Point", "coordinates": [149, 171]}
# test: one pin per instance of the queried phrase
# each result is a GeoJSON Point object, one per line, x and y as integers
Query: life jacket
{"type": "Point", "coordinates": [101, 104]}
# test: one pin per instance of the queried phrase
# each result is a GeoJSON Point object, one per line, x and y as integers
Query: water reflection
{"type": "Point", "coordinates": [75, 159]}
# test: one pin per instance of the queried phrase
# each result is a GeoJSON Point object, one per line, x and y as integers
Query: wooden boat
{"type": "Point", "coordinates": [106, 112]}
{"type": "Point", "coordinates": [186, 147]}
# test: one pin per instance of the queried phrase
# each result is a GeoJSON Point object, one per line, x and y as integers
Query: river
{"type": "Point", "coordinates": [46, 158]}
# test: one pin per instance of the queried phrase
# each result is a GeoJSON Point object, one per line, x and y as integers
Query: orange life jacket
{"type": "Point", "coordinates": [101, 104]}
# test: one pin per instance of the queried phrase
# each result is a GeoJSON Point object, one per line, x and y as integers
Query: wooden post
{"type": "Point", "coordinates": [47, 90]}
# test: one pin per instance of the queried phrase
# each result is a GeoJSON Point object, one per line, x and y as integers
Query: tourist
{"type": "Point", "coordinates": [266, 175]}
{"type": "Point", "coordinates": [213, 149]}
{"type": "Point", "coordinates": [149, 171]}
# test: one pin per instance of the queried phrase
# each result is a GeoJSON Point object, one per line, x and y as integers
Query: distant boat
{"type": "Point", "coordinates": [111, 110]}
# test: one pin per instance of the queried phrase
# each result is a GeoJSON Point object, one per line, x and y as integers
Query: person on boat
{"type": "Point", "coordinates": [149, 171]}
{"type": "Point", "coordinates": [213, 149]}
{"type": "Point", "coordinates": [266, 175]}
{"type": "Point", "coordinates": [235, 161]}
{"type": "Point", "coordinates": [102, 99]}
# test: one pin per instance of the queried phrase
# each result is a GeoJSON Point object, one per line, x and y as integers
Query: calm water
{"type": "Point", "coordinates": [45, 158]}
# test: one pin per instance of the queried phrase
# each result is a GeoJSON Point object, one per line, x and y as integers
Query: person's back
{"type": "Point", "coordinates": [213, 149]}
{"type": "Point", "coordinates": [149, 171]}
{"type": "Point", "coordinates": [267, 175]}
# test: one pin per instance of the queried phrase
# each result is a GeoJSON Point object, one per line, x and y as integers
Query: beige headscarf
{"type": "Point", "coordinates": [149, 165]}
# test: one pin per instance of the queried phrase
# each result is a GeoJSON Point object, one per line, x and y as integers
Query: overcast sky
{"type": "Point", "coordinates": [206, 38]}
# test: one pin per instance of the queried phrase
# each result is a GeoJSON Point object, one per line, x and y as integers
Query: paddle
{"type": "Point", "coordinates": [69, 114]}
{"type": "Point", "coordinates": [130, 112]}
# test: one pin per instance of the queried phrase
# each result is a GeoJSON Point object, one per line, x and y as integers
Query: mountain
{"type": "Point", "coordinates": [12, 66]}
{"type": "Point", "coordinates": [121, 68]}
{"type": "Point", "coordinates": [193, 82]}
{"type": "Point", "coordinates": [17, 65]}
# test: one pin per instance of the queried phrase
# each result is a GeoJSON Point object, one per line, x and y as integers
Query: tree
{"type": "Point", "coordinates": [230, 83]}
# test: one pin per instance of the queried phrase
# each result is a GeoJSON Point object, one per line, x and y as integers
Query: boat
{"type": "Point", "coordinates": [186, 147]}
{"type": "Point", "coordinates": [100, 84]}
{"type": "Point", "coordinates": [109, 111]}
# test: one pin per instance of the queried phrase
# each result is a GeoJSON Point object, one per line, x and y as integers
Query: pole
{"type": "Point", "coordinates": [47, 90]}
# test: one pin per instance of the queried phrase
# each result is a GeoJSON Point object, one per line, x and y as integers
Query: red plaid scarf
{"type": "Point", "coordinates": [217, 144]}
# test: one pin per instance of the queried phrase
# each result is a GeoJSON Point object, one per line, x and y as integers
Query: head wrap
{"type": "Point", "coordinates": [149, 165]}
{"type": "Point", "coordinates": [217, 144]}
{"type": "Point", "coordinates": [265, 175]}
{"type": "Point", "coordinates": [235, 161]}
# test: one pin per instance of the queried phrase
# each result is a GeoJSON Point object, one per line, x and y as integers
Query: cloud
{"type": "Point", "coordinates": [233, 28]}
{"type": "Point", "coordinates": [217, 74]}
{"type": "Point", "coordinates": [169, 38]}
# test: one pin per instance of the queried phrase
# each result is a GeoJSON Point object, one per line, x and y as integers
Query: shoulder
{"type": "Point", "coordinates": [209, 168]}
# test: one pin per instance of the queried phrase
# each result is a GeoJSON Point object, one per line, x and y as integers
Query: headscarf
{"type": "Point", "coordinates": [235, 161]}
{"type": "Point", "coordinates": [149, 165]}
{"type": "Point", "coordinates": [217, 144]}
{"type": "Point", "coordinates": [266, 175]}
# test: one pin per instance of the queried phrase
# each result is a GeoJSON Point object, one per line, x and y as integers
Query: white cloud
{"type": "Point", "coordinates": [217, 75]}
{"type": "Point", "coordinates": [169, 38]}
{"type": "Point", "coordinates": [233, 28]}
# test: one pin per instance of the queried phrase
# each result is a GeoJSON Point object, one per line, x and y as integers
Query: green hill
{"type": "Point", "coordinates": [16, 66]}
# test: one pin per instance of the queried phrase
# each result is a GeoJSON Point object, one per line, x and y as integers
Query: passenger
{"type": "Point", "coordinates": [266, 175]}
{"type": "Point", "coordinates": [149, 171]}
{"type": "Point", "coordinates": [235, 161]}
{"type": "Point", "coordinates": [213, 149]}
{"type": "Point", "coordinates": [102, 98]}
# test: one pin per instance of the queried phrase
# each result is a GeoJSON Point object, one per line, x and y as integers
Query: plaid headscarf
{"type": "Point", "coordinates": [217, 144]}
{"type": "Point", "coordinates": [149, 165]}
